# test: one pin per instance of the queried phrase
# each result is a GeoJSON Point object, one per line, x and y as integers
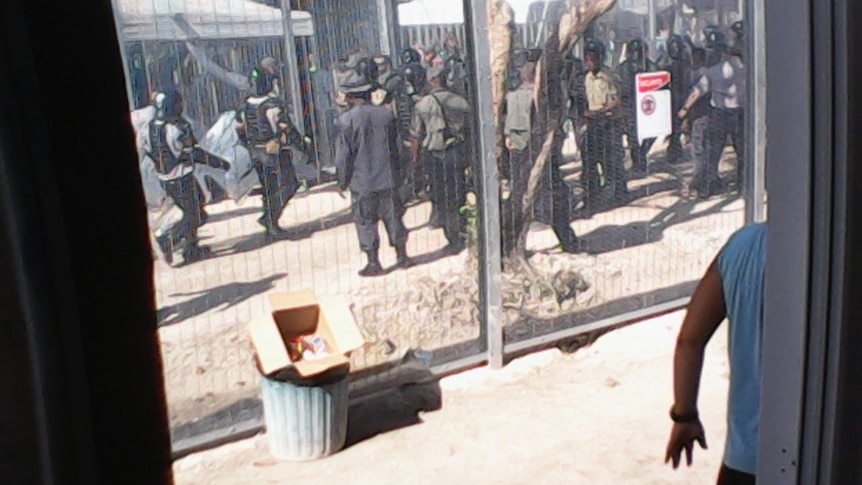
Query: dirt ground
{"type": "Point", "coordinates": [659, 240]}
{"type": "Point", "coordinates": [598, 416]}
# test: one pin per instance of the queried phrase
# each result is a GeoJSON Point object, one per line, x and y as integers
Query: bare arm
{"type": "Point", "coordinates": [705, 313]}
{"type": "Point", "coordinates": [699, 89]}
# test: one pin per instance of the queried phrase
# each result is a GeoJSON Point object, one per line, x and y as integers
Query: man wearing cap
{"type": "Point", "coordinates": [368, 162]}
{"type": "Point", "coordinates": [439, 131]}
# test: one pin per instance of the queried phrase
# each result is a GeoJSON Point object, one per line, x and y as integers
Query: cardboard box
{"type": "Point", "coordinates": [303, 313]}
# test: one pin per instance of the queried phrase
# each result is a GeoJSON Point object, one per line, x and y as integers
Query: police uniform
{"type": "Point", "coordinates": [637, 63]}
{"type": "Point", "coordinates": [172, 146]}
{"type": "Point", "coordinates": [679, 67]}
{"type": "Point", "coordinates": [266, 130]}
{"type": "Point", "coordinates": [368, 161]}
{"type": "Point", "coordinates": [554, 197]}
{"type": "Point", "coordinates": [603, 143]}
{"type": "Point", "coordinates": [725, 83]}
{"type": "Point", "coordinates": [440, 122]}
{"type": "Point", "coordinates": [456, 76]}
{"type": "Point", "coordinates": [401, 89]}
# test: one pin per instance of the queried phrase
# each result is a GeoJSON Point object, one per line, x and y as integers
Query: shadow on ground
{"type": "Point", "coordinates": [616, 237]}
{"type": "Point", "coordinates": [396, 409]}
{"type": "Point", "coordinates": [224, 296]}
{"type": "Point", "coordinates": [389, 397]}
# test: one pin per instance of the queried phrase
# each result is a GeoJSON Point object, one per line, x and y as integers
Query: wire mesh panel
{"type": "Point", "coordinates": [328, 171]}
{"type": "Point", "coordinates": [625, 143]}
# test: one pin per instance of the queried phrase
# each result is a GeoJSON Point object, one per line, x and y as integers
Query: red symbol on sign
{"type": "Point", "coordinates": [648, 105]}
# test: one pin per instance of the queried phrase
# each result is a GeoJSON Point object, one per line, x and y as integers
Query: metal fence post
{"type": "Point", "coordinates": [476, 17]}
{"type": "Point", "coordinates": [755, 120]}
{"type": "Point", "coordinates": [292, 66]}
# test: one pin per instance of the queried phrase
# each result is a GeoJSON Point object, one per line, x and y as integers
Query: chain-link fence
{"type": "Point", "coordinates": [524, 201]}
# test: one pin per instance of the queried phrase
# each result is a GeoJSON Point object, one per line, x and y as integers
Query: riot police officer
{"type": "Point", "coordinates": [265, 128]}
{"type": "Point", "coordinates": [636, 63]}
{"type": "Point", "coordinates": [172, 146]}
{"type": "Point", "coordinates": [679, 67]}
{"type": "Point", "coordinates": [724, 82]}
{"type": "Point", "coordinates": [456, 75]}
{"type": "Point", "coordinates": [410, 55]}
{"type": "Point", "coordinates": [737, 39]}
{"type": "Point", "coordinates": [408, 92]}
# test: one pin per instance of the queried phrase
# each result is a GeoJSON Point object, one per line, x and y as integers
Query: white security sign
{"type": "Point", "coordinates": [654, 106]}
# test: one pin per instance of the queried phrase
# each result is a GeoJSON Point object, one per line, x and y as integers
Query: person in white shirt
{"type": "Point", "coordinates": [724, 81]}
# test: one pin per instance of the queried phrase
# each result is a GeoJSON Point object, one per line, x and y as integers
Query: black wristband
{"type": "Point", "coordinates": [684, 418]}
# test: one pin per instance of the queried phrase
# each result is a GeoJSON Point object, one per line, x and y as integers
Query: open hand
{"type": "Point", "coordinates": [683, 436]}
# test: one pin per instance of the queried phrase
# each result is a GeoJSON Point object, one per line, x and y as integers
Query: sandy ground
{"type": "Point", "coordinates": [598, 416]}
{"type": "Point", "coordinates": [657, 241]}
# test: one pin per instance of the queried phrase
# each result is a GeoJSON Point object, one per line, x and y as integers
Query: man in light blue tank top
{"type": "Point", "coordinates": [733, 289]}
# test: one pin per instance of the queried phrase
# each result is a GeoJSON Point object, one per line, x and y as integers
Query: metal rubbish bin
{"type": "Point", "coordinates": [306, 419]}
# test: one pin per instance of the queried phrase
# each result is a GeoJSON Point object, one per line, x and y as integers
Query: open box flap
{"type": "Point", "coordinates": [343, 326]}
{"type": "Point", "coordinates": [288, 301]}
{"type": "Point", "coordinates": [271, 351]}
{"type": "Point", "coordinates": [311, 368]}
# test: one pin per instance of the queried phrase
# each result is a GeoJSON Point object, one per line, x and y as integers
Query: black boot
{"type": "Point", "coordinates": [434, 219]}
{"type": "Point", "coordinates": [404, 261]}
{"type": "Point", "coordinates": [273, 230]}
{"type": "Point", "coordinates": [164, 242]}
{"type": "Point", "coordinates": [373, 268]}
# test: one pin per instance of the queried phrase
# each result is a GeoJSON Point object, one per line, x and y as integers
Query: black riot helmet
{"type": "Point", "coordinates": [709, 29]}
{"type": "Point", "coordinates": [676, 47]}
{"type": "Point", "coordinates": [716, 40]}
{"type": "Point", "coordinates": [595, 48]}
{"type": "Point", "coordinates": [367, 68]}
{"type": "Point", "coordinates": [636, 50]}
{"type": "Point", "coordinates": [262, 82]}
{"type": "Point", "coordinates": [410, 56]}
{"type": "Point", "coordinates": [454, 61]}
{"type": "Point", "coordinates": [414, 74]}
{"type": "Point", "coordinates": [738, 28]}
{"type": "Point", "coordinates": [169, 104]}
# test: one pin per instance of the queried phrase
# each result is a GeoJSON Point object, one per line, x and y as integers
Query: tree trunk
{"type": "Point", "coordinates": [568, 20]}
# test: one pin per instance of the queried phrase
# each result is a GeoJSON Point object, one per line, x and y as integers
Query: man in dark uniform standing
{"type": "Point", "coordinates": [369, 164]}
{"type": "Point", "coordinates": [679, 67]}
{"type": "Point", "coordinates": [265, 128]}
{"type": "Point", "coordinates": [172, 146]}
{"type": "Point", "coordinates": [636, 63]}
